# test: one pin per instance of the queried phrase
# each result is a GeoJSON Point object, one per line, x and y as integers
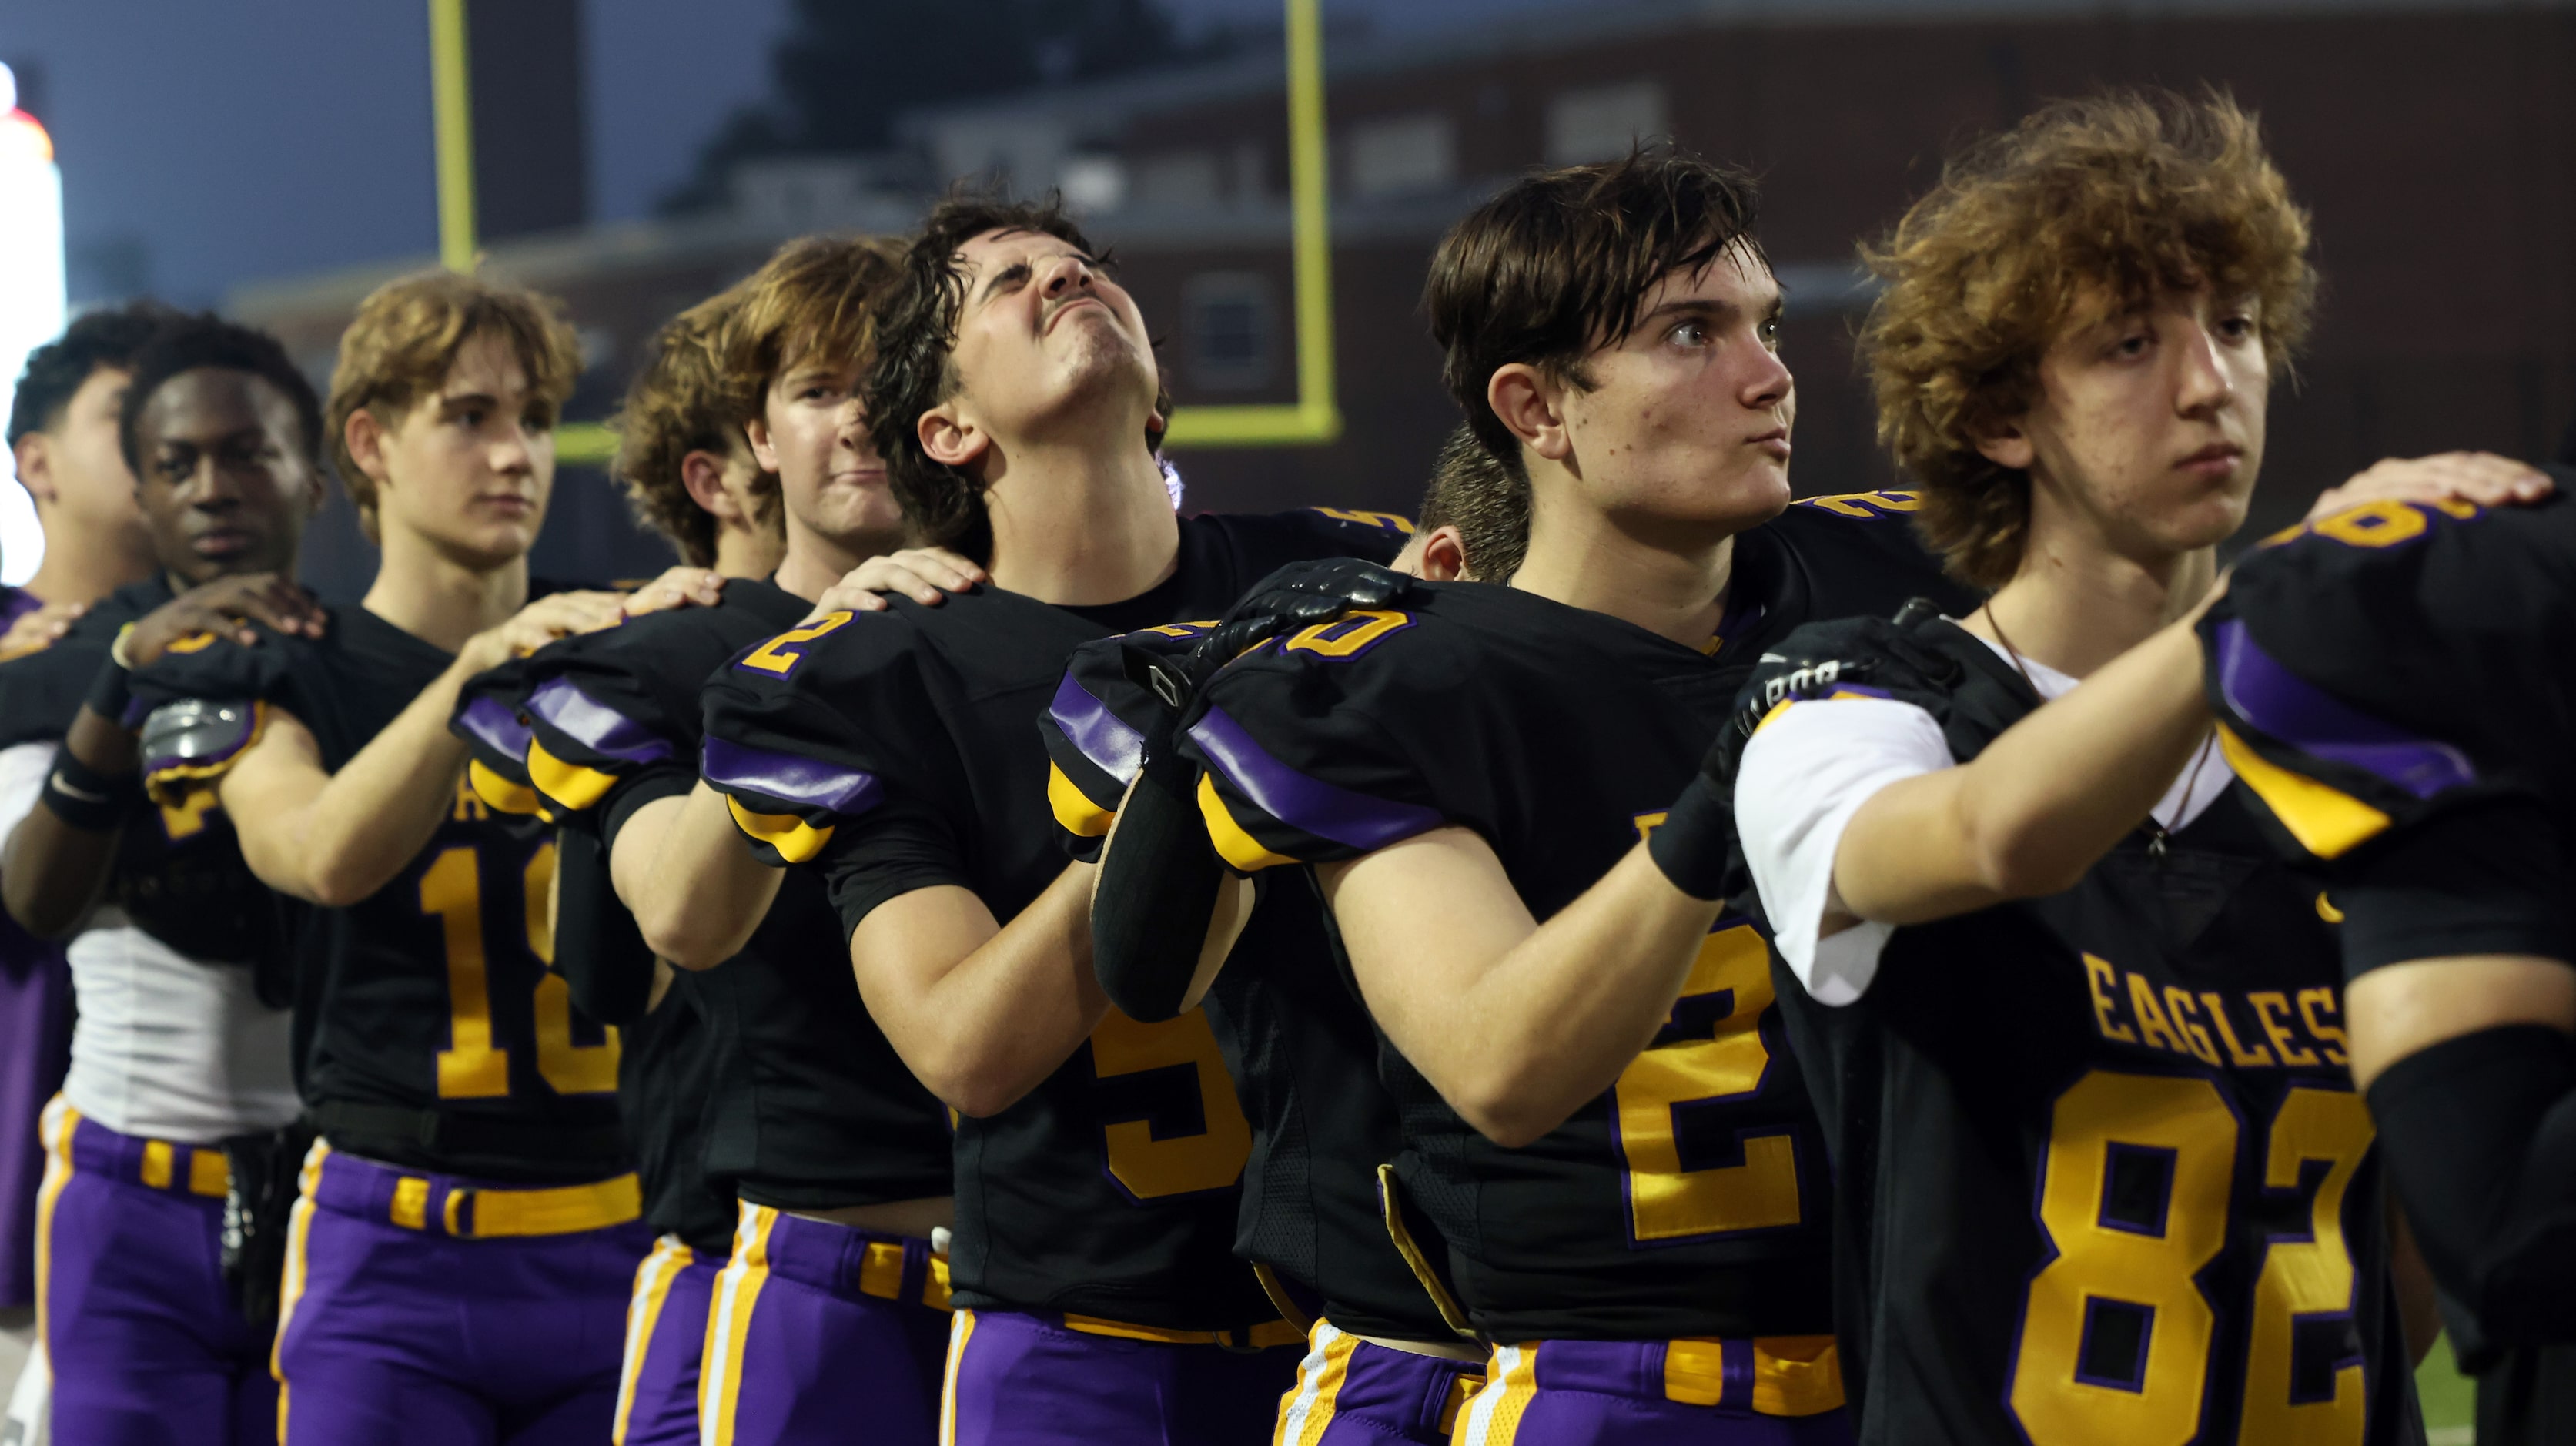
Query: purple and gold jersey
{"type": "Point", "coordinates": [1689, 1199]}
{"type": "Point", "coordinates": [2402, 671]}
{"type": "Point", "coordinates": [429, 1031]}
{"type": "Point", "coordinates": [1558, 735]}
{"type": "Point", "coordinates": [179, 874]}
{"type": "Point", "coordinates": [1296, 1038]}
{"type": "Point", "coordinates": [768, 1078]}
{"type": "Point", "coordinates": [895, 751]}
{"type": "Point", "coordinates": [2100, 1171]}
{"type": "Point", "coordinates": [2394, 686]}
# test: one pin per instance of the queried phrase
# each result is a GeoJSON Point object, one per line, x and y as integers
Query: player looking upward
{"type": "Point", "coordinates": [175, 1056]}
{"type": "Point", "coordinates": [832, 1301]}
{"type": "Point", "coordinates": [1016, 403]}
{"type": "Point", "coordinates": [1624, 1192]}
{"type": "Point", "coordinates": [2075, 1039]}
{"type": "Point", "coordinates": [459, 1258]}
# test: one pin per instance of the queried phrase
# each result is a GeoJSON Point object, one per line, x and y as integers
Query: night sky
{"type": "Point", "coordinates": [257, 138]}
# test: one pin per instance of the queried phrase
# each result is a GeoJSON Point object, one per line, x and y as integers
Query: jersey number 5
{"type": "Point", "coordinates": [475, 1065]}
{"type": "Point", "coordinates": [1683, 1182]}
{"type": "Point", "coordinates": [1172, 1125]}
{"type": "Point", "coordinates": [2116, 1336]}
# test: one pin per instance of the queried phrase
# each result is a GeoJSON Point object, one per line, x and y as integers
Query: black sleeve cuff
{"type": "Point", "coordinates": [2491, 879]}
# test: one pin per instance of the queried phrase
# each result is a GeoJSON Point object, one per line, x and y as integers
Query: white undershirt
{"type": "Point", "coordinates": [1811, 768]}
{"type": "Point", "coordinates": [164, 1046]}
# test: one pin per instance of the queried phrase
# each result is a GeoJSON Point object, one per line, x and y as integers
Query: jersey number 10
{"type": "Point", "coordinates": [475, 1065]}
{"type": "Point", "coordinates": [2116, 1336]}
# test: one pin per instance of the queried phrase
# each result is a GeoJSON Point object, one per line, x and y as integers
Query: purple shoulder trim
{"type": "Point", "coordinates": [846, 791]}
{"type": "Point", "coordinates": [496, 726]}
{"type": "Point", "coordinates": [1103, 736]}
{"type": "Point", "coordinates": [1354, 820]}
{"type": "Point", "coordinates": [2299, 713]}
{"type": "Point", "coordinates": [596, 726]}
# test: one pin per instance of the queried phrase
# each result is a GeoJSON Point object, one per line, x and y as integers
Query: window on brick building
{"type": "Point", "coordinates": [1603, 123]}
{"type": "Point", "coordinates": [1403, 154]}
{"type": "Point", "coordinates": [1231, 326]}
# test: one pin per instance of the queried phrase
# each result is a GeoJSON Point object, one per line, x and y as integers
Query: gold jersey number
{"type": "Point", "coordinates": [475, 1065]}
{"type": "Point", "coordinates": [2116, 1335]}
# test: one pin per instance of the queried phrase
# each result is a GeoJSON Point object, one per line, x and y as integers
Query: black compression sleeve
{"type": "Point", "coordinates": [2480, 1133]}
{"type": "Point", "coordinates": [1156, 894]}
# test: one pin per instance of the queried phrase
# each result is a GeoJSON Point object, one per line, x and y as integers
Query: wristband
{"type": "Point", "coordinates": [111, 691]}
{"type": "Point", "coordinates": [1695, 840]}
{"type": "Point", "coordinates": [87, 799]}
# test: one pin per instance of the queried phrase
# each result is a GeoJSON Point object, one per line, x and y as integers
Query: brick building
{"type": "Point", "coordinates": [2435, 143]}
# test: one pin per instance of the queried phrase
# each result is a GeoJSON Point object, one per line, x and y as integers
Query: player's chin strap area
{"type": "Point", "coordinates": [2480, 1136]}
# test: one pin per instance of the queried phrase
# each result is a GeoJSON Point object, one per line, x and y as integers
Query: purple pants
{"type": "Point", "coordinates": [1658, 1393]}
{"type": "Point", "coordinates": [1350, 1392]}
{"type": "Point", "coordinates": [426, 1310]}
{"type": "Point", "coordinates": [35, 1050]}
{"type": "Point", "coordinates": [146, 1347]}
{"type": "Point", "coordinates": [666, 1331]}
{"type": "Point", "coordinates": [817, 1327]}
{"type": "Point", "coordinates": [1016, 1379]}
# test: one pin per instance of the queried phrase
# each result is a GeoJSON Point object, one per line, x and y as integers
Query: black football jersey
{"type": "Point", "coordinates": [2394, 685]}
{"type": "Point", "coordinates": [179, 874]}
{"type": "Point", "coordinates": [798, 1101]}
{"type": "Point", "coordinates": [1495, 710]}
{"type": "Point", "coordinates": [897, 751]}
{"type": "Point", "coordinates": [425, 1014]}
{"type": "Point", "coordinates": [2400, 671]}
{"type": "Point", "coordinates": [1296, 1039]}
{"type": "Point", "coordinates": [2101, 1174]}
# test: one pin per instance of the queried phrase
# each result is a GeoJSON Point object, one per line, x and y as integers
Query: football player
{"type": "Point", "coordinates": [2393, 685]}
{"type": "Point", "coordinates": [1015, 400]}
{"type": "Point", "coordinates": [459, 1258]}
{"type": "Point", "coordinates": [832, 1301]}
{"type": "Point", "coordinates": [62, 441]}
{"type": "Point", "coordinates": [1595, 1116]}
{"type": "Point", "coordinates": [2075, 1039]}
{"type": "Point", "coordinates": [175, 1054]}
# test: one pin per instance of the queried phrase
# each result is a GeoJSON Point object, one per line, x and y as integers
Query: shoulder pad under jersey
{"type": "Point", "coordinates": [194, 741]}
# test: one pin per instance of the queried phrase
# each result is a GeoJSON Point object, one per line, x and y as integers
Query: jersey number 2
{"type": "Point", "coordinates": [1750, 1182]}
{"type": "Point", "coordinates": [2116, 1336]}
{"type": "Point", "coordinates": [474, 1065]}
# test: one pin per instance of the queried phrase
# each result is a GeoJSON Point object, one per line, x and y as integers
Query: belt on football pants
{"type": "Point", "coordinates": [445, 1205]}
{"type": "Point", "coordinates": [93, 1149]}
{"type": "Point", "coordinates": [1768, 1375]}
{"type": "Point", "coordinates": [1256, 1338]}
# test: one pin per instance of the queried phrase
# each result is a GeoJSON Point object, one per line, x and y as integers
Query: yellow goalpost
{"type": "Point", "coordinates": [1314, 418]}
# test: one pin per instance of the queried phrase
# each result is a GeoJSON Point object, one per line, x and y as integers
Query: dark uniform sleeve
{"type": "Point", "coordinates": [1376, 536]}
{"type": "Point", "coordinates": [207, 700]}
{"type": "Point", "coordinates": [1301, 765]}
{"type": "Point", "coordinates": [491, 717]}
{"type": "Point", "coordinates": [2387, 686]}
{"type": "Point", "coordinates": [2391, 683]}
{"type": "Point", "coordinates": [1095, 729]}
{"type": "Point", "coordinates": [828, 751]}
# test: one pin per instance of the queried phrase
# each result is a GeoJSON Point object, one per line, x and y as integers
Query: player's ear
{"type": "Point", "coordinates": [702, 472]}
{"type": "Point", "coordinates": [950, 438]}
{"type": "Point", "coordinates": [764, 448]}
{"type": "Point", "coordinates": [34, 457]}
{"type": "Point", "coordinates": [1444, 556]}
{"type": "Point", "coordinates": [2008, 446]}
{"type": "Point", "coordinates": [1526, 401]}
{"type": "Point", "coordinates": [365, 436]}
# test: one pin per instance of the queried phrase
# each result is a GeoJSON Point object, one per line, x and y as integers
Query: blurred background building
{"type": "Point", "coordinates": [2434, 140]}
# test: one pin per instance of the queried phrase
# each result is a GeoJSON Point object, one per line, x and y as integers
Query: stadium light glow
{"type": "Point", "coordinates": [31, 295]}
